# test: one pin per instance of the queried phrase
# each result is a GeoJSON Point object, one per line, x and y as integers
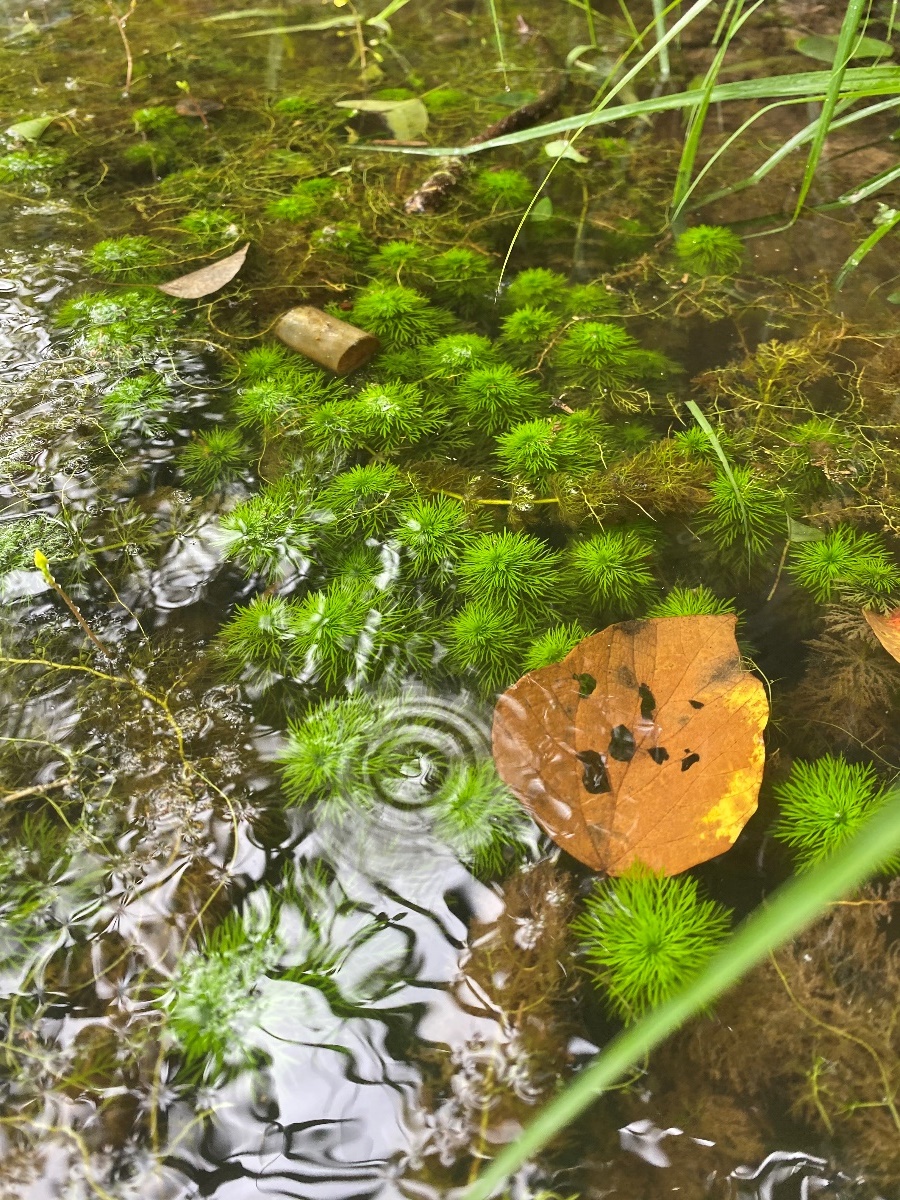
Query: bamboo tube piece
{"type": "Point", "coordinates": [326, 340]}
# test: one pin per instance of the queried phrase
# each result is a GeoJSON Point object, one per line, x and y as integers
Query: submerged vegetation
{"type": "Point", "coordinates": [255, 615]}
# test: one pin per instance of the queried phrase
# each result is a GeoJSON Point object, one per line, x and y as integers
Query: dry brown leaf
{"type": "Point", "coordinates": [886, 629]}
{"type": "Point", "coordinates": [207, 280]}
{"type": "Point", "coordinates": [643, 745]}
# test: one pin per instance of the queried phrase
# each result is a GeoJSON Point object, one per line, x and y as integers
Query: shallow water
{"type": "Point", "coordinates": [378, 1019]}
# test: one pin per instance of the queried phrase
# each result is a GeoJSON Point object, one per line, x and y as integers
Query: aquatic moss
{"type": "Point", "coordinates": [612, 569]}
{"type": "Point", "coordinates": [211, 227]}
{"type": "Point", "coordinates": [710, 250]}
{"type": "Point", "coordinates": [506, 189]}
{"type": "Point", "coordinates": [272, 533]}
{"type": "Point", "coordinates": [30, 166]}
{"type": "Point", "coordinates": [526, 333]}
{"type": "Point", "coordinates": [157, 119]}
{"type": "Point", "coordinates": [213, 459]}
{"type": "Point", "coordinates": [844, 560]}
{"type": "Point", "coordinates": [645, 936]}
{"type": "Point", "coordinates": [691, 602]}
{"type": "Point", "coordinates": [537, 287]}
{"type": "Point", "coordinates": [297, 106]}
{"type": "Point", "coordinates": [364, 500]}
{"type": "Point", "coordinates": [139, 402]}
{"type": "Point", "coordinates": [398, 316]}
{"type": "Point", "coordinates": [745, 514]}
{"type": "Point", "coordinates": [553, 646]}
{"type": "Point", "coordinates": [492, 398]}
{"type": "Point", "coordinates": [305, 199]}
{"type": "Point", "coordinates": [487, 639]}
{"type": "Point", "coordinates": [125, 258]}
{"type": "Point", "coordinates": [433, 532]}
{"type": "Point", "coordinates": [823, 804]}
{"type": "Point", "coordinates": [511, 570]}
{"type": "Point", "coordinates": [480, 819]}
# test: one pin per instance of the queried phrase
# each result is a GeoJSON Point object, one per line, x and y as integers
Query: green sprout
{"type": "Point", "coordinates": [844, 561]}
{"type": "Point", "coordinates": [213, 459]}
{"type": "Point", "coordinates": [823, 804]}
{"type": "Point", "coordinates": [364, 500]}
{"type": "Point", "coordinates": [710, 250]}
{"type": "Point", "coordinates": [125, 258]}
{"type": "Point", "coordinates": [612, 569]}
{"type": "Point", "coordinates": [398, 316]}
{"type": "Point", "coordinates": [691, 602]}
{"type": "Point", "coordinates": [259, 638]}
{"type": "Point", "coordinates": [511, 570]}
{"type": "Point", "coordinates": [493, 398]}
{"type": "Point", "coordinates": [433, 531]}
{"type": "Point", "coordinates": [553, 646]}
{"type": "Point", "coordinates": [645, 936]}
{"type": "Point", "coordinates": [487, 639]}
{"type": "Point", "coordinates": [745, 515]}
{"type": "Point", "coordinates": [504, 189]}
{"type": "Point", "coordinates": [480, 819]}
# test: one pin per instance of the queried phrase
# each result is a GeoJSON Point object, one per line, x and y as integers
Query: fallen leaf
{"type": "Point", "coordinates": [643, 745]}
{"type": "Point", "coordinates": [207, 280]}
{"type": "Point", "coordinates": [407, 119]}
{"type": "Point", "coordinates": [190, 106]}
{"type": "Point", "coordinates": [32, 129]}
{"type": "Point", "coordinates": [887, 629]}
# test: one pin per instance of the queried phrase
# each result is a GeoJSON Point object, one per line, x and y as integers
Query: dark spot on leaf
{"type": "Point", "coordinates": [648, 703]}
{"type": "Point", "coordinates": [659, 754]}
{"type": "Point", "coordinates": [621, 744]}
{"type": "Point", "coordinates": [594, 777]}
{"type": "Point", "coordinates": [586, 684]}
{"type": "Point", "coordinates": [695, 703]}
{"type": "Point", "coordinates": [626, 677]}
{"type": "Point", "coordinates": [688, 761]}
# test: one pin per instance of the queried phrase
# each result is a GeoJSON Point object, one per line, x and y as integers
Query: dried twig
{"type": "Point", "coordinates": [120, 23]}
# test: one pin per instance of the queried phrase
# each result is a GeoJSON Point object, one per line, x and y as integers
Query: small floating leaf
{"type": "Point", "coordinates": [660, 763]}
{"type": "Point", "coordinates": [32, 129]}
{"type": "Point", "coordinates": [408, 119]}
{"type": "Point", "coordinates": [207, 280]}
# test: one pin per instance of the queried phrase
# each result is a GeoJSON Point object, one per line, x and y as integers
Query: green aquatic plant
{"type": "Point", "coordinates": [344, 237]}
{"type": "Point", "coordinates": [339, 633]}
{"type": "Point", "coordinates": [399, 316]}
{"type": "Point", "coordinates": [364, 500]}
{"type": "Point", "coordinates": [537, 287]}
{"type": "Point", "coordinates": [387, 416]}
{"type": "Point", "coordinates": [20, 538]}
{"type": "Point", "coordinates": [479, 818]}
{"type": "Point", "coordinates": [455, 355]}
{"type": "Point", "coordinates": [823, 804]}
{"type": "Point", "coordinates": [709, 250]}
{"type": "Point", "coordinates": [210, 227]}
{"type": "Point", "coordinates": [297, 106]}
{"type": "Point", "coordinates": [433, 531]}
{"type": "Point", "coordinates": [486, 639]}
{"type": "Point", "coordinates": [210, 460]}
{"type": "Point", "coordinates": [264, 361]}
{"type": "Point", "coordinates": [212, 1002]}
{"type": "Point", "coordinates": [745, 514]}
{"type": "Point", "coordinates": [691, 602]}
{"type": "Point", "coordinates": [30, 166]}
{"type": "Point", "coordinates": [645, 936]}
{"type": "Point", "coordinates": [461, 278]}
{"type": "Point", "coordinates": [512, 570]}
{"type": "Point", "coordinates": [600, 355]}
{"type": "Point", "coordinates": [332, 755]}
{"type": "Point", "coordinates": [844, 561]}
{"type": "Point", "coordinates": [445, 99]}
{"type": "Point", "coordinates": [400, 260]}
{"type": "Point", "coordinates": [273, 532]}
{"type": "Point", "coordinates": [591, 300]}
{"type": "Point", "coordinates": [304, 200]}
{"type": "Point", "coordinates": [126, 258]}
{"type": "Point", "coordinates": [612, 569]}
{"type": "Point", "coordinates": [493, 398]}
{"type": "Point", "coordinates": [139, 402]}
{"type": "Point", "coordinates": [363, 563]}
{"type": "Point", "coordinates": [157, 119]}
{"type": "Point", "coordinates": [536, 449]}
{"type": "Point", "coordinates": [269, 406]}
{"type": "Point", "coordinates": [553, 646]}
{"type": "Point", "coordinates": [259, 638]}
{"type": "Point", "coordinates": [505, 189]}
{"type": "Point", "coordinates": [127, 322]}
{"type": "Point", "coordinates": [526, 333]}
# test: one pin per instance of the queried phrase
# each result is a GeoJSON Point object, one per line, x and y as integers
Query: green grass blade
{"type": "Point", "coordinates": [659, 25]}
{"type": "Point", "coordinates": [691, 146]}
{"type": "Point", "coordinates": [864, 191]}
{"type": "Point", "coordinates": [890, 221]}
{"type": "Point", "coordinates": [699, 416]}
{"type": "Point", "coordinates": [809, 85]}
{"type": "Point", "coordinates": [850, 27]}
{"type": "Point", "coordinates": [793, 907]}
